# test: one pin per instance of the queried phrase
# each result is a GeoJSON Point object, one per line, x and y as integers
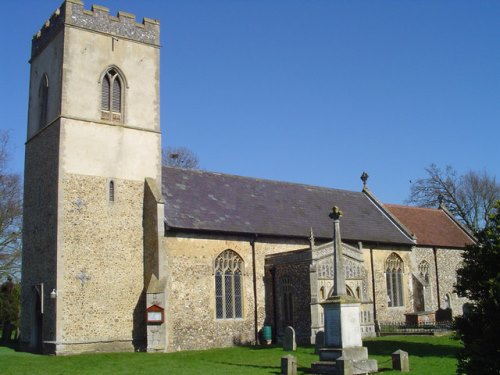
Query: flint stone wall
{"type": "Point", "coordinates": [100, 240]}
{"type": "Point", "coordinates": [300, 286]}
{"type": "Point", "coordinates": [384, 312]}
{"type": "Point", "coordinates": [449, 260]}
{"type": "Point", "coordinates": [39, 263]}
{"type": "Point", "coordinates": [190, 294]}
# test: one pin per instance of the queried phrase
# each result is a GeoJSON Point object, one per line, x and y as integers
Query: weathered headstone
{"type": "Point", "coordinates": [400, 361]}
{"type": "Point", "coordinates": [344, 366]}
{"type": "Point", "coordinates": [289, 339]}
{"type": "Point", "coordinates": [319, 343]}
{"type": "Point", "coordinates": [288, 365]}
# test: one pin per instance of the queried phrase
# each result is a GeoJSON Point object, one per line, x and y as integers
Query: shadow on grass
{"type": "Point", "coordinates": [387, 347]}
{"type": "Point", "coordinates": [11, 344]}
{"type": "Point", "coordinates": [274, 369]}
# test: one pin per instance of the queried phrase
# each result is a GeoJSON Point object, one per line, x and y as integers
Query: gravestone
{"type": "Point", "coordinates": [400, 361]}
{"type": "Point", "coordinates": [288, 365]}
{"type": "Point", "coordinates": [289, 339]}
{"type": "Point", "coordinates": [344, 366]}
{"type": "Point", "coordinates": [319, 343]}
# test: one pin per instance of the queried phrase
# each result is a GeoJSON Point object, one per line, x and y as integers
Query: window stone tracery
{"type": "Point", "coordinates": [228, 271]}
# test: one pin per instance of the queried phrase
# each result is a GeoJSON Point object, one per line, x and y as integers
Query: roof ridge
{"type": "Point", "coordinates": [412, 207]}
{"type": "Point", "coordinates": [200, 171]}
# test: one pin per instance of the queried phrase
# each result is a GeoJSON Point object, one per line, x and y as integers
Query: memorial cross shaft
{"type": "Point", "coordinates": [339, 288]}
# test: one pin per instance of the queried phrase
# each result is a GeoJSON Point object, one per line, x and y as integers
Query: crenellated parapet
{"type": "Point", "coordinates": [97, 19]}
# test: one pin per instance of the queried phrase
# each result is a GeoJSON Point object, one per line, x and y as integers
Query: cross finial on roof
{"type": "Point", "coordinates": [364, 178]}
{"type": "Point", "coordinates": [336, 213]}
{"type": "Point", "coordinates": [311, 239]}
{"type": "Point", "coordinates": [441, 199]}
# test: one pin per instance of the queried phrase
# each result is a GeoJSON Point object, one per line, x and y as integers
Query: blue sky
{"type": "Point", "coordinates": [308, 91]}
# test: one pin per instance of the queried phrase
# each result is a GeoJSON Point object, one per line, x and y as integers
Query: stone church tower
{"type": "Point", "coordinates": [93, 155]}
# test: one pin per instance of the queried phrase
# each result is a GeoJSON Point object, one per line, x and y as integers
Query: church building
{"type": "Point", "coordinates": [122, 254]}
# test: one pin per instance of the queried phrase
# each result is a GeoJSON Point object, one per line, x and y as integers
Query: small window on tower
{"type": "Point", "coordinates": [111, 191]}
{"type": "Point", "coordinates": [112, 96]}
{"type": "Point", "coordinates": [43, 98]}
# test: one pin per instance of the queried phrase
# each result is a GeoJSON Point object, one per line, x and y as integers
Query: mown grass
{"type": "Point", "coordinates": [428, 355]}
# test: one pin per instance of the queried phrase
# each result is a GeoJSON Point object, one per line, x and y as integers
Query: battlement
{"type": "Point", "coordinates": [72, 12]}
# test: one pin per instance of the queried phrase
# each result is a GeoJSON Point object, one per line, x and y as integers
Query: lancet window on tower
{"type": "Point", "coordinates": [228, 271]}
{"type": "Point", "coordinates": [394, 279]}
{"type": "Point", "coordinates": [43, 100]}
{"type": "Point", "coordinates": [111, 191]}
{"type": "Point", "coordinates": [112, 95]}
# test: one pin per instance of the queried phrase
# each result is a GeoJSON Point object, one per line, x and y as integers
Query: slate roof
{"type": "Point", "coordinates": [200, 200]}
{"type": "Point", "coordinates": [432, 227]}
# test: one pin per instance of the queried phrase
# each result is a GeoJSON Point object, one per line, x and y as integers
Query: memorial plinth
{"type": "Point", "coordinates": [343, 353]}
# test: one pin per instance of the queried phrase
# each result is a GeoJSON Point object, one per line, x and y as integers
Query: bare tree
{"type": "Point", "coordinates": [10, 216]}
{"type": "Point", "coordinates": [470, 197]}
{"type": "Point", "coordinates": [180, 157]}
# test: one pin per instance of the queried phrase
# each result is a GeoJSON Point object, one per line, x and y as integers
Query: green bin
{"type": "Point", "coordinates": [267, 334]}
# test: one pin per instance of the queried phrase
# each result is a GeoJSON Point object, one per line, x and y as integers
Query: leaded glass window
{"type": "Point", "coordinates": [111, 95]}
{"type": "Point", "coordinates": [228, 273]}
{"type": "Point", "coordinates": [394, 279]}
{"type": "Point", "coordinates": [287, 294]}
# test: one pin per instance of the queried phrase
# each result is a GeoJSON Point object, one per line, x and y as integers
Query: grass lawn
{"type": "Point", "coordinates": [428, 355]}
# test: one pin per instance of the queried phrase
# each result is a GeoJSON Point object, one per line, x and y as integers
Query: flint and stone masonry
{"type": "Point", "coordinates": [85, 180]}
{"type": "Point", "coordinates": [112, 234]}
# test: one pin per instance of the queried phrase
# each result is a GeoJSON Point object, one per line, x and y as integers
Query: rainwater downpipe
{"type": "Point", "coordinates": [373, 292]}
{"type": "Point", "coordinates": [434, 250]}
{"type": "Point", "coordinates": [254, 273]}
{"type": "Point", "coordinates": [275, 311]}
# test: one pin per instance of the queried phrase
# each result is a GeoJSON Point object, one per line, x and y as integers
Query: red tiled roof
{"type": "Point", "coordinates": [432, 227]}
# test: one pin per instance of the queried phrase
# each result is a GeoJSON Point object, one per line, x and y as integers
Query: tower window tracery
{"type": "Point", "coordinates": [112, 95]}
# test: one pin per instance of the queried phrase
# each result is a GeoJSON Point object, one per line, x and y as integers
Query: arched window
{"type": "Point", "coordinates": [228, 270]}
{"type": "Point", "coordinates": [394, 279]}
{"type": "Point", "coordinates": [287, 298]}
{"type": "Point", "coordinates": [43, 100]}
{"type": "Point", "coordinates": [322, 293]}
{"type": "Point", "coordinates": [112, 95]}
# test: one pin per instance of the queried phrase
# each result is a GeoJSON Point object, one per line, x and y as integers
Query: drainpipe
{"type": "Point", "coordinates": [373, 293]}
{"type": "Point", "coordinates": [434, 250]}
{"type": "Point", "coordinates": [275, 309]}
{"type": "Point", "coordinates": [256, 333]}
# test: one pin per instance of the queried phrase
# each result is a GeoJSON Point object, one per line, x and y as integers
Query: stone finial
{"type": "Point", "coordinates": [311, 239]}
{"type": "Point", "coordinates": [441, 200]}
{"type": "Point", "coordinates": [336, 213]}
{"type": "Point", "coordinates": [364, 178]}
